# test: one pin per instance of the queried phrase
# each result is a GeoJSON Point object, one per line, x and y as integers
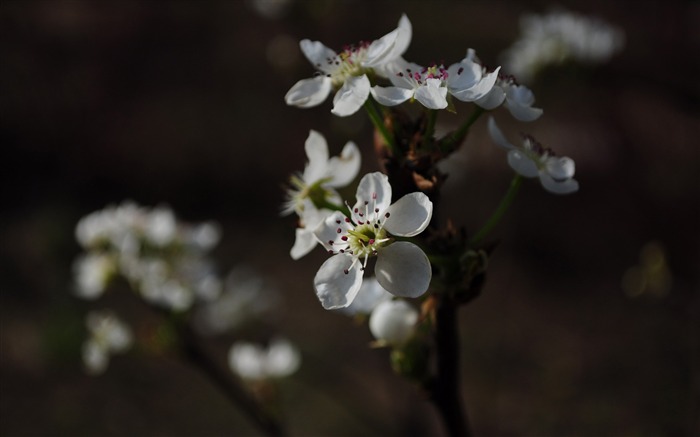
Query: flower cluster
{"type": "Point", "coordinates": [107, 335]}
{"type": "Point", "coordinates": [561, 36]}
{"type": "Point", "coordinates": [255, 362]}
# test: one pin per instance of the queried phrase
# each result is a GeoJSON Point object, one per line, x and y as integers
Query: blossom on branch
{"type": "Point", "coordinates": [532, 160]}
{"type": "Point", "coordinates": [402, 268]}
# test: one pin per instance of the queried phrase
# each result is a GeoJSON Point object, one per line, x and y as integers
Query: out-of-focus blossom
{"type": "Point", "coordinates": [271, 9]}
{"type": "Point", "coordinates": [402, 268]}
{"type": "Point", "coordinates": [316, 186]}
{"type": "Point", "coordinates": [532, 160]}
{"type": "Point", "coordinates": [92, 272]}
{"type": "Point", "coordinates": [347, 71]}
{"type": "Point", "coordinates": [107, 335]}
{"type": "Point", "coordinates": [393, 322]}
{"type": "Point", "coordinates": [558, 37]}
{"type": "Point", "coordinates": [246, 297]}
{"type": "Point", "coordinates": [256, 362]}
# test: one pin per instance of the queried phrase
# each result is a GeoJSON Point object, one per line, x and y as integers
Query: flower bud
{"type": "Point", "coordinates": [393, 322]}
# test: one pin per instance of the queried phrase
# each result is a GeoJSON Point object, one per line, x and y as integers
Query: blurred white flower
{"type": "Point", "coordinates": [246, 297]}
{"type": "Point", "coordinates": [347, 71]}
{"type": "Point", "coordinates": [92, 272]}
{"type": "Point", "coordinates": [402, 268]}
{"type": "Point", "coordinates": [317, 184]}
{"type": "Point", "coordinates": [272, 9]}
{"type": "Point", "coordinates": [393, 322]}
{"type": "Point", "coordinates": [253, 361]}
{"type": "Point", "coordinates": [532, 160]}
{"type": "Point", "coordinates": [107, 335]}
{"type": "Point", "coordinates": [557, 37]}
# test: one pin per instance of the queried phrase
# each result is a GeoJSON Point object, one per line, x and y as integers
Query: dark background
{"type": "Point", "coordinates": [182, 103]}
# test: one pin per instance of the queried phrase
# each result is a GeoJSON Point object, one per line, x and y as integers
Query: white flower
{"type": "Point", "coordinates": [347, 71]}
{"type": "Point", "coordinates": [255, 362]}
{"type": "Point", "coordinates": [557, 37]}
{"type": "Point", "coordinates": [402, 268]}
{"type": "Point", "coordinates": [107, 335]}
{"type": "Point", "coordinates": [532, 160]}
{"type": "Point", "coordinates": [92, 273]}
{"type": "Point", "coordinates": [413, 82]}
{"type": "Point", "coordinates": [317, 183]}
{"type": "Point", "coordinates": [464, 80]}
{"type": "Point", "coordinates": [393, 322]}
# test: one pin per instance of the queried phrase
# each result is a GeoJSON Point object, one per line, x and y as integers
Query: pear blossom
{"type": "Point", "coordinates": [370, 295]}
{"type": "Point", "coordinates": [93, 272]}
{"type": "Point", "coordinates": [317, 184]}
{"type": "Point", "coordinates": [107, 335]}
{"type": "Point", "coordinates": [558, 37]}
{"type": "Point", "coordinates": [401, 268]}
{"type": "Point", "coordinates": [255, 362]}
{"type": "Point", "coordinates": [393, 322]}
{"type": "Point", "coordinates": [464, 80]}
{"type": "Point", "coordinates": [346, 72]}
{"type": "Point", "coordinates": [532, 160]}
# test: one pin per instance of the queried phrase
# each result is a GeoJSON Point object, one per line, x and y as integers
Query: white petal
{"type": "Point", "coordinates": [403, 269]}
{"type": "Point", "coordinates": [95, 357]}
{"type": "Point", "coordinates": [327, 230]}
{"type": "Point", "coordinates": [309, 92]}
{"type": "Point", "coordinates": [391, 45]}
{"type": "Point", "coordinates": [564, 187]}
{"type": "Point", "coordinates": [304, 243]}
{"type": "Point", "coordinates": [334, 287]}
{"type": "Point", "coordinates": [344, 168]}
{"type": "Point", "coordinates": [317, 152]}
{"type": "Point", "coordinates": [522, 165]}
{"type": "Point", "coordinates": [492, 99]}
{"type": "Point", "coordinates": [393, 321]}
{"type": "Point", "coordinates": [522, 112]}
{"type": "Point", "coordinates": [351, 96]}
{"type": "Point", "coordinates": [410, 215]}
{"type": "Point", "coordinates": [282, 359]}
{"type": "Point", "coordinates": [432, 95]}
{"type": "Point", "coordinates": [497, 135]}
{"type": "Point", "coordinates": [560, 168]}
{"type": "Point", "coordinates": [375, 189]}
{"type": "Point", "coordinates": [521, 95]}
{"type": "Point", "coordinates": [318, 54]}
{"type": "Point", "coordinates": [370, 295]}
{"type": "Point", "coordinates": [478, 90]}
{"type": "Point", "coordinates": [463, 75]}
{"type": "Point", "coordinates": [401, 73]}
{"type": "Point", "coordinates": [391, 96]}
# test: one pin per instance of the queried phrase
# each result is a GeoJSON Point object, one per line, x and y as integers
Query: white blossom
{"type": "Point", "coordinates": [92, 272]}
{"type": "Point", "coordinates": [393, 322]}
{"type": "Point", "coordinates": [401, 268]}
{"type": "Point", "coordinates": [107, 335]}
{"type": "Point", "coordinates": [253, 361]}
{"type": "Point", "coordinates": [346, 72]}
{"type": "Point", "coordinates": [532, 160]}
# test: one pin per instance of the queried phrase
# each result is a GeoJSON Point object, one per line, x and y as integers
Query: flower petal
{"type": "Point", "coordinates": [393, 321]}
{"type": "Point", "coordinates": [519, 101]}
{"type": "Point", "coordinates": [309, 92]}
{"type": "Point", "coordinates": [497, 135]}
{"type": "Point", "coordinates": [370, 295]}
{"type": "Point", "coordinates": [560, 168]}
{"type": "Point", "coordinates": [522, 165]}
{"type": "Point", "coordinates": [522, 112]}
{"type": "Point", "coordinates": [327, 230]}
{"type": "Point", "coordinates": [493, 99]}
{"type": "Point", "coordinates": [410, 215]}
{"type": "Point", "coordinates": [391, 96]}
{"type": "Point", "coordinates": [390, 46]}
{"type": "Point", "coordinates": [375, 189]}
{"type": "Point", "coordinates": [351, 96]}
{"type": "Point", "coordinates": [303, 244]}
{"type": "Point", "coordinates": [318, 54]}
{"type": "Point", "coordinates": [432, 95]}
{"type": "Point", "coordinates": [344, 168]}
{"type": "Point", "coordinates": [403, 269]}
{"type": "Point", "coordinates": [479, 89]}
{"type": "Point", "coordinates": [334, 287]}
{"type": "Point", "coordinates": [558, 187]}
{"type": "Point", "coordinates": [317, 152]}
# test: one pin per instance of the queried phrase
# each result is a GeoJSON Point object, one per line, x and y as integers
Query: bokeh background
{"type": "Point", "coordinates": [181, 103]}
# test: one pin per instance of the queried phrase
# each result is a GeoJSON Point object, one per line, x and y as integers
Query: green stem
{"type": "Point", "coordinates": [502, 208]}
{"type": "Point", "coordinates": [430, 127]}
{"type": "Point", "coordinates": [378, 122]}
{"type": "Point", "coordinates": [324, 203]}
{"type": "Point", "coordinates": [460, 133]}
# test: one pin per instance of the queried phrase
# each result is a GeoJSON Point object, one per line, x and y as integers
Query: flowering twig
{"type": "Point", "coordinates": [378, 121]}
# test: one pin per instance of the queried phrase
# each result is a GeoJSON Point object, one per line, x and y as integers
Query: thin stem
{"type": "Point", "coordinates": [196, 355]}
{"type": "Point", "coordinates": [445, 387]}
{"type": "Point", "coordinates": [430, 127]}
{"type": "Point", "coordinates": [460, 133]}
{"type": "Point", "coordinates": [502, 208]}
{"type": "Point", "coordinates": [378, 122]}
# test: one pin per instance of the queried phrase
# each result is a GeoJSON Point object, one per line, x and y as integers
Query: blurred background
{"type": "Point", "coordinates": [588, 324]}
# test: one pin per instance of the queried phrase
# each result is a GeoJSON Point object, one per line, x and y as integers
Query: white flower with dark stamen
{"type": "Point", "coordinates": [414, 82]}
{"type": "Point", "coordinates": [532, 160]}
{"type": "Point", "coordinates": [401, 268]}
{"type": "Point", "coordinates": [316, 186]}
{"type": "Point", "coordinates": [393, 322]}
{"type": "Point", "coordinates": [347, 71]}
